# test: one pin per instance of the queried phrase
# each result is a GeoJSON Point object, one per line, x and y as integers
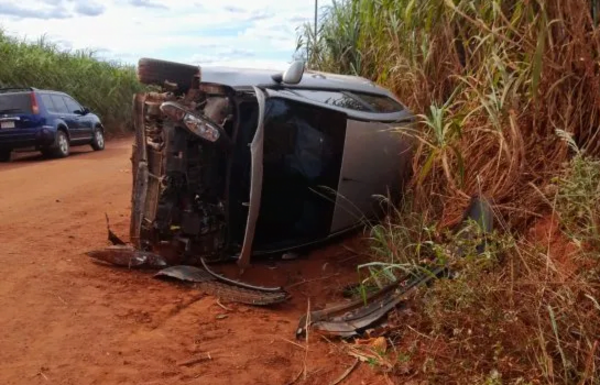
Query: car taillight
{"type": "Point", "coordinates": [34, 105]}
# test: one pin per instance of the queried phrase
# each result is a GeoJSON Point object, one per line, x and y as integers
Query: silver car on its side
{"type": "Point", "coordinates": [238, 162]}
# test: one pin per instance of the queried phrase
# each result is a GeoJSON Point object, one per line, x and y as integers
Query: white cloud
{"type": "Point", "coordinates": [230, 32]}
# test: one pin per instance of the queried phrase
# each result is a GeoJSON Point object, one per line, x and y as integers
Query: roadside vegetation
{"type": "Point", "coordinates": [508, 97]}
{"type": "Point", "coordinates": [106, 88]}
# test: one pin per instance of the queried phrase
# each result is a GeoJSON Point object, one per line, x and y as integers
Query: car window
{"type": "Point", "coordinates": [72, 105]}
{"type": "Point", "coordinates": [59, 104]}
{"type": "Point", "coordinates": [333, 98]}
{"type": "Point", "coordinates": [379, 103]}
{"type": "Point", "coordinates": [302, 156]}
{"type": "Point", "coordinates": [47, 101]}
{"type": "Point", "coordinates": [15, 103]}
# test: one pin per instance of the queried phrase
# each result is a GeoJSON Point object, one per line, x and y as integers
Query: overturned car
{"type": "Point", "coordinates": [235, 163]}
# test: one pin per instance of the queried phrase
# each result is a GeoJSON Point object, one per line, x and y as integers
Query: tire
{"type": "Point", "coordinates": [5, 156]}
{"type": "Point", "coordinates": [98, 141]}
{"type": "Point", "coordinates": [61, 147]}
{"type": "Point", "coordinates": [157, 72]}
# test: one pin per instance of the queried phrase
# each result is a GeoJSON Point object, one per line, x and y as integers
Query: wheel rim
{"type": "Point", "coordinates": [99, 139]}
{"type": "Point", "coordinates": [63, 144]}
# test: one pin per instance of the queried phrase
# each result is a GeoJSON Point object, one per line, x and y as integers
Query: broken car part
{"type": "Point", "coordinates": [112, 237]}
{"type": "Point", "coordinates": [228, 290]}
{"type": "Point", "coordinates": [127, 256]}
{"type": "Point", "coordinates": [241, 284]}
{"type": "Point", "coordinates": [197, 125]}
{"type": "Point", "coordinates": [186, 273]}
{"type": "Point", "coordinates": [351, 319]}
{"type": "Point", "coordinates": [256, 180]}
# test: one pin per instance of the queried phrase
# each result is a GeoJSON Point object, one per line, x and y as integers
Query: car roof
{"type": "Point", "coordinates": [20, 90]}
{"type": "Point", "coordinates": [245, 78]}
{"type": "Point", "coordinates": [53, 92]}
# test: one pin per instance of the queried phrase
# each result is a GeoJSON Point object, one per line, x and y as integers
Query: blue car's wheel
{"type": "Point", "coordinates": [61, 147]}
{"type": "Point", "coordinates": [98, 140]}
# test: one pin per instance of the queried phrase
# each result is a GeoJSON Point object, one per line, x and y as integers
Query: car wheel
{"type": "Point", "coordinates": [61, 148]}
{"type": "Point", "coordinates": [98, 140]}
{"type": "Point", "coordinates": [157, 72]}
{"type": "Point", "coordinates": [5, 155]}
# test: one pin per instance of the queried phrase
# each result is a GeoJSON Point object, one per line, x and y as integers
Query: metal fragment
{"type": "Point", "coordinates": [238, 283]}
{"type": "Point", "coordinates": [127, 256]}
{"type": "Point", "coordinates": [186, 273]}
{"type": "Point", "coordinates": [242, 295]}
{"type": "Point", "coordinates": [351, 319]}
{"type": "Point", "coordinates": [112, 237]}
{"type": "Point", "coordinates": [224, 288]}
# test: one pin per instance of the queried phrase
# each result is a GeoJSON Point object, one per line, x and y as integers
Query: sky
{"type": "Point", "coordinates": [237, 33]}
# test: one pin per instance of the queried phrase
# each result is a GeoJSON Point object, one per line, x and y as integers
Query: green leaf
{"type": "Point", "coordinates": [427, 167]}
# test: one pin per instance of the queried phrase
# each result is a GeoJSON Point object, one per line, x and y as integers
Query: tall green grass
{"type": "Point", "coordinates": [106, 88]}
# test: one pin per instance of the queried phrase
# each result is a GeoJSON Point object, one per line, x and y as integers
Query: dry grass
{"type": "Point", "coordinates": [494, 80]}
{"type": "Point", "coordinates": [507, 92]}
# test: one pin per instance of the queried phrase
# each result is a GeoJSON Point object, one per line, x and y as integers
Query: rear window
{"type": "Point", "coordinates": [352, 100]}
{"type": "Point", "coordinates": [333, 98]}
{"type": "Point", "coordinates": [379, 103]}
{"type": "Point", "coordinates": [14, 103]}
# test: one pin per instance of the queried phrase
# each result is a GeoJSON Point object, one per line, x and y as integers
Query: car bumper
{"type": "Point", "coordinates": [26, 137]}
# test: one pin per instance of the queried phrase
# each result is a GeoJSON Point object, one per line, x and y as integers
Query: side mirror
{"type": "Point", "coordinates": [85, 111]}
{"type": "Point", "coordinates": [293, 75]}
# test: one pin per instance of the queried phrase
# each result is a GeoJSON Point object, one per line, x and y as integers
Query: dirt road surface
{"type": "Point", "coordinates": [66, 320]}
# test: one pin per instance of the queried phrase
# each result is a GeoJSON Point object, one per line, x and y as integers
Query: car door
{"type": "Point", "coordinates": [84, 127]}
{"type": "Point", "coordinates": [62, 112]}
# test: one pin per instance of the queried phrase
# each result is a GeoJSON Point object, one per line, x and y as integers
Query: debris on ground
{"type": "Point", "coordinates": [124, 255]}
{"type": "Point", "coordinates": [366, 312]}
{"type": "Point", "coordinates": [127, 256]}
{"type": "Point", "coordinates": [354, 318]}
{"type": "Point", "coordinates": [186, 273]}
{"type": "Point", "coordinates": [223, 288]}
{"type": "Point", "coordinates": [112, 237]}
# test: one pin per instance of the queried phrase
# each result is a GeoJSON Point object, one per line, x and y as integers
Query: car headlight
{"type": "Point", "coordinates": [197, 125]}
{"type": "Point", "coordinates": [202, 128]}
{"type": "Point", "coordinates": [173, 111]}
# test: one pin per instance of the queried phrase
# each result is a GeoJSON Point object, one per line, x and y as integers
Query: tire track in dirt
{"type": "Point", "coordinates": [66, 320]}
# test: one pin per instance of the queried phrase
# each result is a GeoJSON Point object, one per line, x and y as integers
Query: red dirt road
{"type": "Point", "coordinates": [66, 320]}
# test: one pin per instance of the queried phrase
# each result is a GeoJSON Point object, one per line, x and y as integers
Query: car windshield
{"type": "Point", "coordinates": [15, 103]}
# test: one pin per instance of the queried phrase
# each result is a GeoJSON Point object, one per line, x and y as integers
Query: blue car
{"type": "Point", "coordinates": [46, 121]}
